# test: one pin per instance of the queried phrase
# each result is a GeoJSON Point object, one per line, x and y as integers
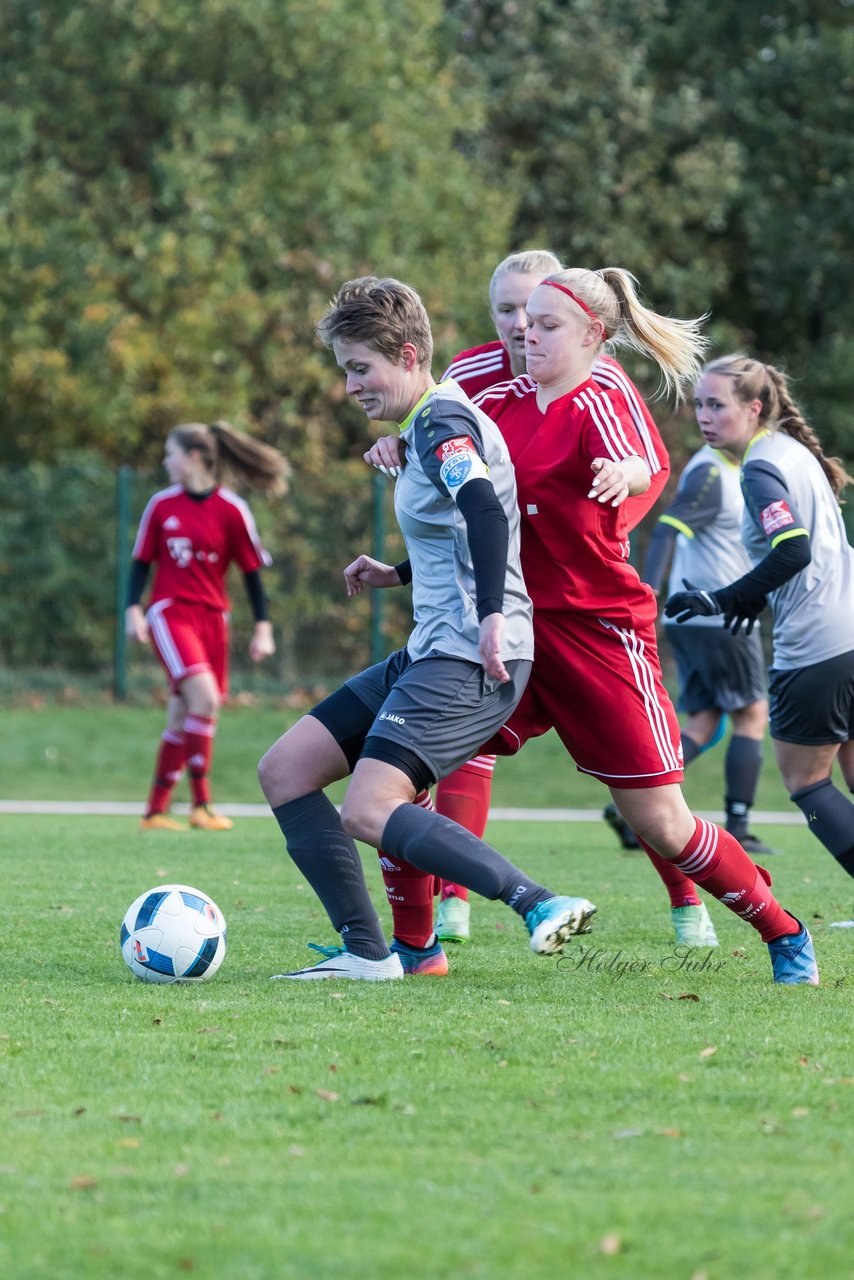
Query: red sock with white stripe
{"type": "Point", "coordinates": [167, 770]}
{"type": "Point", "coordinates": [464, 798]}
{"type": "Point", "coordinates": [410, 893]}
{"type": "Point", "coordinates": [682, 891]}
{"type": "Point", "coordinates": [718, 863]}
{"type": "Point", "coordinates": [199, 735]}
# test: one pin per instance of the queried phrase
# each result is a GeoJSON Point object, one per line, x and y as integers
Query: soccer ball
{"type": "Point", "coordinates": [173, 933]}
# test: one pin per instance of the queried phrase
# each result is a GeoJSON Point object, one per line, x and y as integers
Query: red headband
{"type": "Point", "coordinates": [553, 284]}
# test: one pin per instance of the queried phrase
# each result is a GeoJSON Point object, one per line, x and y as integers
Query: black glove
{"type": "Point", "coordinates": [744, 615]}
{"type": "Point", "coordinates": [738, 609]}
{"type": "Point", "coordinates": [692, 603]}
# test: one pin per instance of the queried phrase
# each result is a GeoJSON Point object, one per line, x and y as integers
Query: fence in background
{"type": "Point", "coordinates": [66, 536]}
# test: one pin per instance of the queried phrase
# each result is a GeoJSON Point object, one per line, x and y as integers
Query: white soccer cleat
{"type": "Point", "coordinates": [340, 963]}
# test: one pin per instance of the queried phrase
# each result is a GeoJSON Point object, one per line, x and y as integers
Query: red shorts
{"type": "Point", "coordinates": [598, 684]}
{"type": "Point", "coordinates": [188, 639]}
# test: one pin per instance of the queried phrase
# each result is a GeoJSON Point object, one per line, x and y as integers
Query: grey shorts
{"type": "Point", "coordinates": [814, 705]}
{"type": "Point", "coordinates": [425, 717]}
{"type": "Point", "coordinates": [717, 670]}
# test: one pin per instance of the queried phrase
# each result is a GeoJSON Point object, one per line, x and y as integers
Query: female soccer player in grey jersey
{"type": "Point", "coordinates": [804, 565]}
{"type": "Point", "coordinates": [406, 722]}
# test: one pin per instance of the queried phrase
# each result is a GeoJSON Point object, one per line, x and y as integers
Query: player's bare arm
{"type": "Point", "coordinates": [388, 454]}
{"type": "Point", "coordinates": [615, 481]}
{"type": "Point", "coordinates": [367, 572]}
{"type": "Point", "coordinates": [262, 644]}
{"type": "Point", "coordinates": [135, 625]}
{"type": "Point", "coordinates": [491, 631]}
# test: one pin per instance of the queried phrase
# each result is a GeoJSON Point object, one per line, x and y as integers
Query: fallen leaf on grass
{"type": "Point", "coordinates": [82, 1182]}
{"type": "Point", "coordinates": [208, 1031]}
{"type": "Point", "coordinates": [665, 996]}
{"type": "Point", "coordinates": [78, 1111]}
{"type": "Point", "coordinates": [709, 1051]}
{"type": "Point", "coordinates": [128, 1142]}
{"type": "Point", "coordinates": [294, 1088]}
{"type": "Point", "coordinates": [800, 1111]}
{"type": "Point", "coordinates": [687, 995]}
{"type": "Point", "coordinates": [26, 1115]}
{"type": "Point", "coordinates": [610, 1244]}
{"type": "Point", "coordinates": [186, 1264]}
{"type": "Point", "coordinates": [505, 1002]}
{"type": "Point", "coordinates": [272, 1071]}
{"type": "Point", "coordinates": [129, 1119]}
{"type": "Point", "coordinates": [327, 1095]}
{"type": "Point", "coordinates": [669, 1133]}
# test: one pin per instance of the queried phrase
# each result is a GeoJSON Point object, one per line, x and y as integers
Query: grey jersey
{"type": "Point", "coordinates": [787, 495]}
{"type": "Point", "coordinates": [450, 442]}
{"type": "Point", "coordinates": [706, 513]}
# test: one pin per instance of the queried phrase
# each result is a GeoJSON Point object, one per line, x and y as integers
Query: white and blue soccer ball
{"type": "Point", "coordinates": [173, 933]}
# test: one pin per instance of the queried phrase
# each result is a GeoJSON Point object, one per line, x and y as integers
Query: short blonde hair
{"type": "Point", "coordinates": [528, 262]}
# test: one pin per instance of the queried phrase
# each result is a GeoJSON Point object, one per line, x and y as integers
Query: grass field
{"type": "Point", "coordinates": [617, 1113]}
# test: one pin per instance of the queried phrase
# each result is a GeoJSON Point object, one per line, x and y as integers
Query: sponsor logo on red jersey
{"type": "Point", "coordinates": [775, 516]}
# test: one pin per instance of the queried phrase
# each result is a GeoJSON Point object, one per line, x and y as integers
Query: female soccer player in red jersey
{"type": "Point", "coordinates": [191, 532]}
{"type": "Point", "coordinates": [596, 677]}
{"type": "Point", "coordinates": [465, 795]}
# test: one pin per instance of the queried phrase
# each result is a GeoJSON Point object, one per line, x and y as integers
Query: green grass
{"type": "Point", "coordinates": [522, 1117]}
{"type": "Point", "coordinates": [107, 753]}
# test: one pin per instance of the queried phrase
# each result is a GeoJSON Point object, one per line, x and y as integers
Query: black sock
{"type": "Point", "coordinates": [330, 862]}
{"type": "Point", "coordinates": [690, 750]}
{"type": "Point", "coordinates": [831, 819]}
{"type": "Point", "coordinates": [432, 842]}
{"type": "Point", "coordinates": [742, 766]}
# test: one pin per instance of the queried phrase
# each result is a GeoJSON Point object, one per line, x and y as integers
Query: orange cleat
{"type": "Point", "coordinates": [203, 818]}
{"type": "Point", "coordinates": [161, 822]}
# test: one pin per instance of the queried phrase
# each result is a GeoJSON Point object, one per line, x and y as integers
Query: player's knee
{"type": "Point", "coordinates": [355, 815]}
{"type": "Point", "coordinates": [271, 769]}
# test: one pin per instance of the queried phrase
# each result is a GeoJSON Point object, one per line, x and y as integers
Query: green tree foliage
{"type": "Point", "coordinates": [183, 186]}
{"type": "Point", "coordinates": [707, 147]}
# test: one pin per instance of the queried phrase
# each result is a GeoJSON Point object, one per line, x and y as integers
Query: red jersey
{"type": "Point", "coordinates": [480, 368]}
{"type": "Point", "coordinates": [192, 541]}
{"type": "Point", "coordinates": [574, 549]}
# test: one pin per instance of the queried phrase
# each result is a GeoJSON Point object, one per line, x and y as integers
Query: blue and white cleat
{"type": "Point", "coordinates": [793, 958]}
{"type": "Point", "coordinates": [553, 922]}
{"type": "Point", "coordinates": [341, 963]}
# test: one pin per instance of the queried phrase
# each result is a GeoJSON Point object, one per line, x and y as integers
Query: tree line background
{"type": "Point", "coordinates": [183, 186]}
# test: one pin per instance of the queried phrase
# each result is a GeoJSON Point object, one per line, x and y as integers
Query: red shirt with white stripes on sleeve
{"type": "Point", "coordinates": [481, 368]}
{"type": "Point", "coordinates": [193, 540]}
{"type": "Point", "coordinates": [574, 549]}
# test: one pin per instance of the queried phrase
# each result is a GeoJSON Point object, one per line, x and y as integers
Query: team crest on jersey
{"type": "Point", "coordinates": [460, 462]}
{"type": "Point", "coordinates": [172, 523]}
{"type": "Point", "coordinates": [775, 516]}
{"type": "Point", "coordinates": [181, 550]}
